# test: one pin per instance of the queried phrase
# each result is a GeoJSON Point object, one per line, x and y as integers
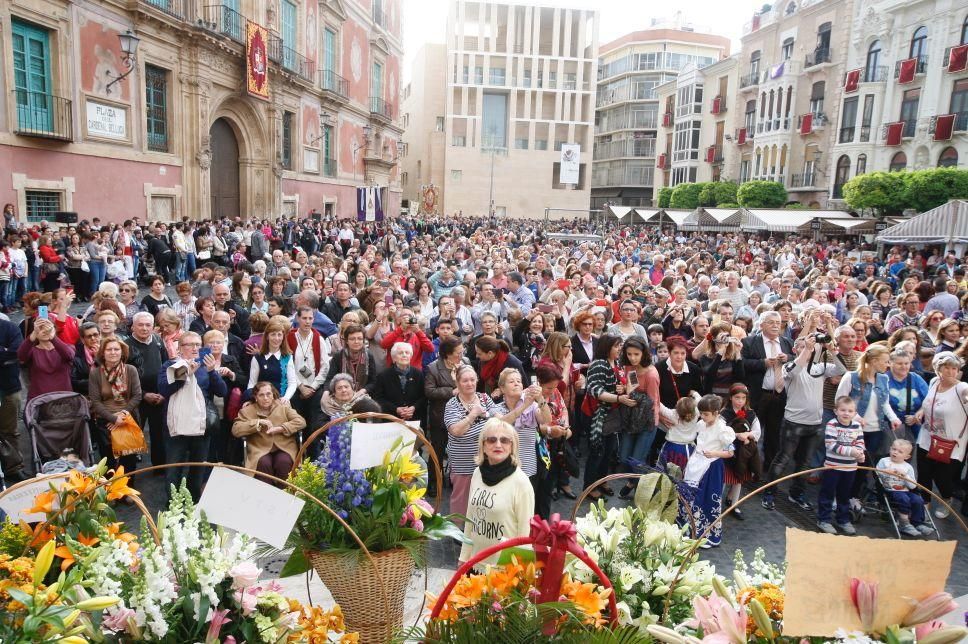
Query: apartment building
{"type": "Point", "coordinates": [791, 70]}
{"type": "Point", "coordinates": [142, 108]}
{"type": "Point", "coordinates": [518, 83]}
{"type": "Point", "coordinates": [904, 102]}
{"type": "Point", "coordinates": [696, 126]}
{"type": "Point", "coordinates": [627, 117]}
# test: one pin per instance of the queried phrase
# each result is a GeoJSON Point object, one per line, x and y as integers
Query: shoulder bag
{"type": "Point", "coordinates": [941, 449]}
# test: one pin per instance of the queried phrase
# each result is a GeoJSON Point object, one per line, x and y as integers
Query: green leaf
{"type": "Point", "coordinates": [20, 596]}
{"type": "Point", "coordinates": [522, 554]}
{"type": "Point", "coordinates": [297, 564]}
{"type": "Point", "coordinates": [446, 529]}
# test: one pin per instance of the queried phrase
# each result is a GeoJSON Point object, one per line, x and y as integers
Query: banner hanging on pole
{"type": "Point", "coordinates": [257, 60]}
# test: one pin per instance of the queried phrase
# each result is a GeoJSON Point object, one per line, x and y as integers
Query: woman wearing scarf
{"type": "Point", "coordinates": [526, 409]}
{"type": "Point", "coordinates": [495, 356]}
{"type": "Point", "coordinates": [501, 501]}
{"type": "Point", "coordinates": [530, 337]}
{"type": "Point", "coordinates": [113, 388]}
{"type": "Point", "coordinates": [353, 358]}
{"type": "Point", "coordinates": [606, 390]}
{"type": "Point", "coordinates": [269, 426]}
{"type": "Point", "coordinates": [341, 398]}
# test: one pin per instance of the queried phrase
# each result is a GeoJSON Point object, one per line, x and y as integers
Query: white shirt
{"type": "Point", "coordinates": [291, 378]}
{"type": "Point", "coordinates": [304, 356]}
{"type": "Point", "coordinates": [773, 349]}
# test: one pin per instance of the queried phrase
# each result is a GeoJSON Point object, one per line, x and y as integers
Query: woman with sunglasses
{"type": "Point", "coordinates": [501, 500]}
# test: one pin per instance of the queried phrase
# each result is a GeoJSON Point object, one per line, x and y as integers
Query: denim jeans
{"type": "Point", "coordinates": [17, 290]}
{"type": "Point", "coordinates": [181, 449]}
{"type": "Point", "coordinates": [190, 264]}
{"type": "Point", "coordinates": [98, 273]}
{"type": "Point", "coordinates": [599, 460]}
{"type": "Point", "coordinates": [835, 484]}
{"type": "Point", "coordinates": [33, 279]}
{"type": "Point", "coordinates": [635, 447]}
{"type": "Point", "coordinates": [798, 442]}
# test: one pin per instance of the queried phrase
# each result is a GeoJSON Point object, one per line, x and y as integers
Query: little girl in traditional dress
{"type": "Point", "coordinates": [705, 471]}
{"type": "Point", "coordinates": [681, 435]}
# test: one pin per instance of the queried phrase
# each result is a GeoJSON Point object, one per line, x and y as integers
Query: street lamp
{"type": "Point", "coordinates": [129, 51]}
{"type": "Point", "coordinates": [367, 133]}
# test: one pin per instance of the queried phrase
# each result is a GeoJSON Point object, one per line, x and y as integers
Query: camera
{"type": "Point", "coordinates": [411, 320]}
{"type": "Point", "coordinates": [822, 338]}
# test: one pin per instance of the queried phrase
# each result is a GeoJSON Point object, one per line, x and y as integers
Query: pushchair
{"type": "Point", "coordinates": [888, 509]}
{"type": "Point", "coordinates": [57, 421]}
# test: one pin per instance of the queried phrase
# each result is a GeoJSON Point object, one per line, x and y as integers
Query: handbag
{"type": "Point", "coordinates": [85, 266]}
{"type": "Point", "coordinates": [50, 267]}
{"type": "Point", "coordinates": [212, 418]}
{"type": "Point", "coordinates": [233, 404]}
{"type": "Point", "coordinates": [127, 438]}
{"type": "Point", "coordinates": [941, 449]}
{"type": "Point", "coordinates": [204, 254]}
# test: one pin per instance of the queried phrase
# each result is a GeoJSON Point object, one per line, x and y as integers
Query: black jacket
{"type": "Point", "coordinates": [754, 367]}
{"type": "Point", "coordinates": [10, 341]}
{"type": "Point", "coordinates": [80, 371]}
{"type": "Point", "coordinates": [147, 359]}
{"type": "Point", "coordinates": [386, 391]}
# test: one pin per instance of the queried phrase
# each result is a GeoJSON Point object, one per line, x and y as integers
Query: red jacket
{"type": "Point", "coordinates": [419, 341]}
{"type": "Point", "coordinates": [48, 254]}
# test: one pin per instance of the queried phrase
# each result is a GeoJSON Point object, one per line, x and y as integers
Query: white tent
{"type": "Point", "coordinates": [715, 219]}
{"type": "Point", "coordinates": [784, 220]}
{"type": "Point", "coordinates": [678, 217]}
{"type": "Point", "coordinates": [946, 224]}
{"type": "Point", "coordinates": [648, 215]}
{"type": "Point", "coordinates": [619, 211]}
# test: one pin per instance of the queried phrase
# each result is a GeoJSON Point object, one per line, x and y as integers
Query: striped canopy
{"type": "Point", "coordinates": [946, 224]}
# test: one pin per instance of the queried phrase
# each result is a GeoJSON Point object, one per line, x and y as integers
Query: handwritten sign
{"type": "Point", "coordinates": [250, 506]}
{"type": "Point", "coordinates": [820, 567]}
{"type": "Point", "coordinates": [370, 441]}
{"type": "Point", "coordinates": [18, 500]}
{"type": "Point", "coordinates": [106, 121]}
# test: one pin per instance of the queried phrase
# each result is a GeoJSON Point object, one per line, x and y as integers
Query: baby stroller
{"type": "Point", "coordinates": [889, 510]}
{"type": "Point", "coordinates": [57, 421]}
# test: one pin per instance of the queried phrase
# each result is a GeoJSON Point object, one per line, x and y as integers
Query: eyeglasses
{"type": "Point", "coordinates": [494, 440]}
{"type": "Point", "coordinates": [127, 290]}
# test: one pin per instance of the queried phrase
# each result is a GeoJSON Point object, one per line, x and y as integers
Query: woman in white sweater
{"type": "Point", "coordinates": [501, 501]}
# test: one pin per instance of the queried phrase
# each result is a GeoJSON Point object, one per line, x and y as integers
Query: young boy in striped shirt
{"type": "Point", "coordinates": [844, 443]}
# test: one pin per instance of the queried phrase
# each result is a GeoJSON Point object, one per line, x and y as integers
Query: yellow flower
{"type": "Point", "coordinates": [406, 469]}
{"type": "Point", "coordinates": [79, 483]}
{"type": "Point", "coordinates": [118, 488]}
{"type": "Point", "coordinates": [588, 597]}
{"type": "Point", "coordinates": [43, 503]}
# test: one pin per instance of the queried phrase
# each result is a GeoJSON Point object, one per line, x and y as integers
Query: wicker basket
{"type": "Point", "coordinates": [356, 589]}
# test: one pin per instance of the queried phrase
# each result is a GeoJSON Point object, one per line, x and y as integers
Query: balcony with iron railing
{"type": "Point", "coordinates": [43, 115]}
{"type": "Point", "coordinates": [717, 153]}
{"type": "Point", "coordinates": [333, 85]}
{"type": "Point", "coordinates": [817, 57]}
{"type": "Point", "coordinates": [380, 109]}
{"type": "Point", "coordinates": [329, 167]}
{"type": "Point", "coordinates": [174, 8]}
{"type": "Point", "coordinates": [749, 80]}
{"type": "Point", "coordinates": [920, 67]}
{"type": "Point", "coordinates": [876, 74]}
{"type": "Point", "coordinates": [846, 134]}
{"type": "Point", "coordinates": [290, 59]}
{"type": "Point", "coordinates": [619, 174]}
{"type": "Point", "coordinates": [638, 148]}
{"type": "Point", "coordinates": [803, 180]}
{"type": "Point", "coordinates": [223, 20]}
{"type": "Point", "coordinates": [910, 127]}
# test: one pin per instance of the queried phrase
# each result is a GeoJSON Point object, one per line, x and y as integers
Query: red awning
{"type": "Point", "coordinates": [958, 59]}
{"type": "Point", "coordinates": [853, 78]}
{"type": "Point", "coordinates": [894, 132]}
{"type": "Point", "coordinates": [908, 68]}
{"type": "Point", "coordinates": [943, 125]}
{"type": "Point", "coordinates": [806, 125]}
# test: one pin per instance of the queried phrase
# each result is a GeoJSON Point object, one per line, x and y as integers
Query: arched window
{"type": "Point", "coordinates": [861, 164]}
{"type": "Point", "coordinates": [823, 40]}
{"type": "Point", "coordinates": [786, 52]}
{"type": "Point", "coordinates": [873, 60]}
{"type": "Point", "coordinates": [898, 162]}
{"type": "Point", "coordinates": [919, 43]}
{"type": "Point", "coordinates": [791, 8]}
{"type": "Point", "coordinates": [843, 174]}
{"type": "Point", "coordinates": [948, 158]}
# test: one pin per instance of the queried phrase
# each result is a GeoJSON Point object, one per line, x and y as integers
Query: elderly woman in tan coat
{"type": "Point", "coordinates": [269, 426]}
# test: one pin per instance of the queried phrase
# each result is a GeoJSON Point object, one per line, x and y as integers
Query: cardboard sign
{"type": "Point", "coordinates": [371, 441]}
{"type": "Point", "coordinates": [250, 506]}
{"type": "Point", "coordinates": [18, 500]}
{"type": "Point", "coordinates": [820, 567]}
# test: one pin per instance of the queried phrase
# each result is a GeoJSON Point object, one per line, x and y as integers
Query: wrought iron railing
{"type": "Point", "coordinates": [224, 20]}
{"type": "Point", "coordinates": [330, 81]}
{"type": "Point", "coordinates": [381, 108]}
{"type": "Point", "coordinates": [817, 57]}
{"type": "Point", "coordinates": [44, 115]}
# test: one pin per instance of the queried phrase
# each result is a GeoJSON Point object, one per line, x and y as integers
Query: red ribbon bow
{"type": "Point", "coordinates": [741, 413]}
{"type": "Point", "coordinates": [552, 540]}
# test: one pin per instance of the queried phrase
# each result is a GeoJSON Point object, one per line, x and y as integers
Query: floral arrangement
{"type": "Point", "coordinates": [384, 505]}
{"type": "Point", "coordinates": [752, 611]}
{"type": "Point", "coordinates": [32, 611]}
{"type": "Point", "coordinates": [502, 604]}
{"type": "Point", "coordinates": [642, 556]}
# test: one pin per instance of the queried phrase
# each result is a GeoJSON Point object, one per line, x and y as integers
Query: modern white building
{"type": "Point", "coordinates": [518, 83]}
{"type": "Point", "coordinates": [905, 90]}
{"type": "Point", "coordinates": [627, 115]}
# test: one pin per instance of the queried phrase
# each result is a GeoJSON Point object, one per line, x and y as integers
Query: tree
{"type": "Point", "coordinates": [717, 193]}
{"type": "Point", "coordinates": [665, 196]}
{"type": "Point", "coordinates": [795, 205]}
{"type": "Point", "coordinates": [686, 195]}
{"type": "Point", "coordinates": [884, 192]}
{"type": "Point", "coordinates": [927, 189]}
{"type": "Point", "coordinates": [761, 194]}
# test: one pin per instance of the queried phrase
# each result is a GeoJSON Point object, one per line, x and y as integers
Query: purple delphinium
{"type": "Point", "coordinates": [347, 488]}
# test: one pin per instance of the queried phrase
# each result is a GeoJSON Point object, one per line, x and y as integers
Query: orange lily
{"type": "Point", "coordinates": [114, 530]}
{"type": "Point", "coordinates": [41, 534]}
{"type": "Point", "coordinates": [43, 503]}
{"type": "Point", "coordinates": [79, 483]}
{"type": "Point", "coordinates": [67, 556]}
{"type": "Point", "coordinates": [118, 488]}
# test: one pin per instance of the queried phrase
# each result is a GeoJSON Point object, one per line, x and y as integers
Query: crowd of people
{"type": "Point", "coordinates": [537, 358]}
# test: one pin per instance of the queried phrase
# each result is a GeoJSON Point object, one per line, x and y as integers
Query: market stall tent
{"type": "Point", "coordinates": [784, 220]}
{"type": "Point", "coordinates": [947, 224]}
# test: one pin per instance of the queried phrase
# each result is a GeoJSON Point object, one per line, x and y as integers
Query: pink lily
{"type": "Point", "coordinates": [930, 608]}
{"type": "Point", "coordinates": [706, 609]}
{"type": "Point", "coordinates": [733, 623]}
{"type": "Point", "coordinates": [863, 594]}
{"type": "Point", "coordinates": [219, 619]}
{"type": "Point", "coordinates": [921, 630]}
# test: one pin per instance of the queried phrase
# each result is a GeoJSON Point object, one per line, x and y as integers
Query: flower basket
{"type": "Point", "coordinates": [358, 591]}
